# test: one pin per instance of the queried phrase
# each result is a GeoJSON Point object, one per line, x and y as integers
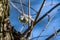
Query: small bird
{"type": "Point", "coordinates": [25, 19]}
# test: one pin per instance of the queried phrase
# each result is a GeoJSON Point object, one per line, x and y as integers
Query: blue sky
{"type": "Point", "coordinates": [55, 22]}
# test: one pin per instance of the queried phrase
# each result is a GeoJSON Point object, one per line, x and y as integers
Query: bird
{"type": "Point", "coordinates": [24, 19]}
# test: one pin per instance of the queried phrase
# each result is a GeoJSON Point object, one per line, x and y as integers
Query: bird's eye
{"type": "Point", "coordinates": [24, 19]}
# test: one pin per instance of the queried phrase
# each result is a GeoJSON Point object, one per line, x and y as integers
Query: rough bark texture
{"type": "Point", "coordinates": [7, 32]}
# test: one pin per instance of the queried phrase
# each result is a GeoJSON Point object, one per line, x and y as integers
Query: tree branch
{"type": "Point", "coordinates": [28, 31]}
{"type": "Point", "coordinates": [52, 35]}
{"type": "Point", "coordinates": [29, 28]}
{"type": "Point", "coordinates": [49, 20]}
{"type": "Point", "coordinates": [40, 10]}
{"type": "Point", "coordinates": [28, 12]}
{"type": "Point", "coordinates": [15, 8]}
{"type": "Point", "coordinates": [25, 5]}
{"type": "Point", "coordinates": [18, 9]}
{"type": "Point", "coordinates": [28, 18]}
{"type": "Point", "coordinates": [22, 7]}
{"type": "Point", "coordinates": [47, 36]}
{"type": "Point", "coordinates": [47, 13]}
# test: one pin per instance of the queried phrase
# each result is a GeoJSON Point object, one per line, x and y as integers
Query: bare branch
{"type": "Point", "coordinates": [19, 10]}
{"type": "Point", "coordinates": [49, 20]}
{"type": "Point", "coordinates": [40, 10]}
{"type": "Point", "coordinates": [41, 36]}
{"type": "Point", "coordinates": [47, 13]}
{"type": "Point", "coordinates": [22, 7]}
{"type": "Point", "coordinates": [28, 18]}
{"type": "Point", "coordinates": [22, 28]}
{"type": "Point", "coordinates": [29, 28]}
{"type": "Point", "coordinates": [25, 5]}
{"type": "Point", "coordinates": [52, 35]}
{"type": "Point", "coordinates": [28, 12]}
{"type": "Point", "coordinates": [15, 7]}
{"type": "Point", "coordinates": [28, 31]}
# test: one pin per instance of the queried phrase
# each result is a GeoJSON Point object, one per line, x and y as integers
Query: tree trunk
{"type": "Point", "coordinates": [7, 32]}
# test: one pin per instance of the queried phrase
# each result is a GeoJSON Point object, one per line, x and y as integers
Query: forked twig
{"type": "Point", "coordinates": [29, 28]}
{"type": "Point", "coordinates": [47, 13]}
{"type": "Point", "coordinates": [28, 31]}
{"type": "Point", "coordinates": [50, 19]}
{"type": "Point", "coordinates": [40, 10]}
{"type": "Point", "coordinates": [51, 36]}
{"type": "Point", "coordinates": [15, 7]}
{"type": "Point", "coordinates": [46, 35]}
{"type": "Point", "coordinates": [25, 15]}
{"type": "Point", "coordinates": [25, 5]}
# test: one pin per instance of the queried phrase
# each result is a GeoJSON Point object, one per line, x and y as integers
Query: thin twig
{"type": "Point", "coordinates": [28, 12]}
{"type": "Point", "coordinates": [15, 7]}
{"type": "Point", "coordinates": [44, 35]}
{"type": "Point", "coordinates": [22, 27]}
{"type": "Point", "coordinates": [22, 7]}
{"type": "Point", "coordinates": [51, 36]}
